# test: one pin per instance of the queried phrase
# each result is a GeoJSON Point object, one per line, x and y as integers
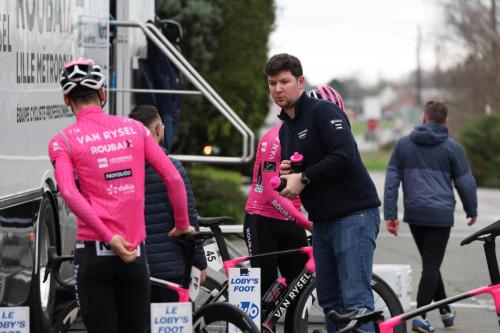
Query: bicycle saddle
{"type": "Point", "coordinates": [493, 230]}
{"type": "Point", "coordinates": [196, 236]}
{"type": "Point", "coordinates": [214, 221]}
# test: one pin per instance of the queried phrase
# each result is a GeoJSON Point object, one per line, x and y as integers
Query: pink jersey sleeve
{"type": "Point", "coordinates": [287, 209]}
{"type": "Point", "coordinates": [64, 173]}
{"type": "Point", "coordinates": [283, 205]}
{"type": "Point", "coordinates": [171, 177]}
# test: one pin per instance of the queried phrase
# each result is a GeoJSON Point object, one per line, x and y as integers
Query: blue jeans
{"type": "Point", "coordinates": [343, 252]}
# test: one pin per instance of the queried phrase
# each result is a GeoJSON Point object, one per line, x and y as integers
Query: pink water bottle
{"type": "Point", "coordinates": [277, 183]}
{"type": "Point", "coordinates": [297, 160]}
{"type": "Point", "coordinates": [274, 294]}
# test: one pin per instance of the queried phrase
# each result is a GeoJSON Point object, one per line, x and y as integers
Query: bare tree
{"type": "Point", "coordinates": [475, 81]}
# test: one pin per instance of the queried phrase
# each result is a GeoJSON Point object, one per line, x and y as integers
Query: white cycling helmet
{"type": "Point", "coordinates": [81, 72]}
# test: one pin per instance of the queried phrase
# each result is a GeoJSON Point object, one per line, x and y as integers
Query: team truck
{"type": "Point", "coordinates": [36, 38]}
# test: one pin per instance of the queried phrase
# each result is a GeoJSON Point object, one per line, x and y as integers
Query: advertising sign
{"type": "Point", "coordinates": [244, 292]}
{"type": "Point", "coordinates": [171, 318]}
{"type": "Point", "coordinates": [15, 319]}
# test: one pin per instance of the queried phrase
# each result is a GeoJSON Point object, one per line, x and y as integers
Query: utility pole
{"type": "Point", "coordinates": [493, 21]}
{"type": "Point", "coordinates": [418, 74]}
{"type": "Point", "coordinates": [494, 45]}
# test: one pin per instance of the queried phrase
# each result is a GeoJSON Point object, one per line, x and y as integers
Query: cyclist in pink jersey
{"type": "Point", "coordinates": [262, 199]}
{"type": "Point", "coordinates": [99, 166]}
{"type": "Point", "coordinates": [273, 222]}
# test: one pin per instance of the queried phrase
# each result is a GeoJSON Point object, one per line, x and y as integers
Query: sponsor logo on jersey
{"type": "Point", "coordinates": [106, 135]}
{"type": "Point", "coordinates": [303, 134]}
{"type": "Point", "coordinates": [120, 159]}
{"type": "Point", "coordinates": [56, 146]}
{"type": "Point", "coordinates": [274, 151]}
{"type": "Point", "coordinates": [118, 174]}
{"type": "Point", "coordinates": [338, 124]}
{"type": "Point", "coordinates": [127, 188]}
{"type": "Point", "coordinates": [105, 162]}
{"type": "Point", "coordinates": [282, 210]}
{"type": "Point", "coordinates": [269, 166]}
{"type": "Point", "coordinates": [102, 162]}
{"type": "Point", "coordinates": [263, 147]}
{"type": "Point", "coordinates": [110, 147]}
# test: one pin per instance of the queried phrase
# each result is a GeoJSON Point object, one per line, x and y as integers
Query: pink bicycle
{"type": "Point", "coordinates": [354, 319]}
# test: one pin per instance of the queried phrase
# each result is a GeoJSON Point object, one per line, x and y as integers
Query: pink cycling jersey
{"type": "Point", "coordinates": [263, 199]}
{"type": "Point", "coordinates": [107, 154]}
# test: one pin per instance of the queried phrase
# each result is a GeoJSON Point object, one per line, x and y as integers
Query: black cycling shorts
{"type": "Point", "coordinates": [112, 295]}
{"type": "Point", "coordinates": [264, 234]}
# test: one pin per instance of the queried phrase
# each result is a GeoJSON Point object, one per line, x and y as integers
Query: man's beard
{"type": "Point", "coordinates": [289, 104]}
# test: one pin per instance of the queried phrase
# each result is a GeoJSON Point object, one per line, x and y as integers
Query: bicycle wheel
{"type": "Point", "coordinates": [309, 316]}
{"type": "Point", "coordinates": [69, 320]}
{"type": "Point", "coordinates": [215, 317]}
{"type": "Point", "coordinates": [387, 301]}
{"type": "Point", "coordinates": [208, 290]}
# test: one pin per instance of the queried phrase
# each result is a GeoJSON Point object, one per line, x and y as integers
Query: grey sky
{"type": "Point", "coordinates": [367, 38]}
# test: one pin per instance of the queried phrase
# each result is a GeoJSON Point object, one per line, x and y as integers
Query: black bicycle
{"type": "Point", "coordinates": [213, 317]}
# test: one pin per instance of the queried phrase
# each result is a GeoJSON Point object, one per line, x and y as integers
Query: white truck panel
{"type": "Point", "coordinates": [36, 39]}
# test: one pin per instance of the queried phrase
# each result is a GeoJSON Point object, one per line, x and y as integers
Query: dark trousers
{"type": "Point", "coordinates": [264, 234]}
{"type": "Point", "coordinates": [431, 243]}
{"type": "Point", "coordinates": [112, 295]}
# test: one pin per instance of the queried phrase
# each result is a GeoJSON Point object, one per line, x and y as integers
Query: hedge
{"type": "Point", "coordinates": [218, 192]}
{"type": "Point", "coordinates": [481, 141]}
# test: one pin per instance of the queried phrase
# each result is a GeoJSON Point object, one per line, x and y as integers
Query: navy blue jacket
{"type": "Point", "coordinates": [427, 161]}
{"type": "Point", "coordinates": [340, 184]}
{"type": "Point", "coordinates": [165, 254]}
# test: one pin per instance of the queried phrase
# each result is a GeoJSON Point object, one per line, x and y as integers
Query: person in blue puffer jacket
{"type": "Point", "coordinates": [165, 254]}
{"type": "Point", "coordinates": [427, 162]}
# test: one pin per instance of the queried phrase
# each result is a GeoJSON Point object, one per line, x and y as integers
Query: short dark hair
{"type": "Point", "coordinates": [146, 114]}
{"type": "Point", "coordinates": [283, 62]}
{"type": "Point", "coordinates": [84, 95]}
{"type": "Point", "coordinates": [436, 112]}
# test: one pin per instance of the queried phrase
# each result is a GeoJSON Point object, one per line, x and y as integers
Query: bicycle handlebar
{"type": "Point", "coordinates": [54, 265]}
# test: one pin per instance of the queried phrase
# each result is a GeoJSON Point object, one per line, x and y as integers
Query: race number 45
{"type": "Point", "coordinates": [212, 254]}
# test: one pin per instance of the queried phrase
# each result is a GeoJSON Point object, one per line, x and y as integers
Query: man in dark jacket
{"type": "Point", "coordinates": [426, 162]}
{"type": "Point", "coordinates": [335, 189]}
{"type": "Point", "coordinates": [165, 255]}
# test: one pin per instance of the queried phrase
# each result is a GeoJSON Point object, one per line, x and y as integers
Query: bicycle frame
{"type": "Point", "coordinates": [182, 292]}
{"type": "Point", "coordinates": [388, 325]}
{"type": "Point", "coordinates": [493, 289]}
{"type": "Point", "coordinates": [308, 250]}
{"type": "Point", "coordinates": [292, 291]}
